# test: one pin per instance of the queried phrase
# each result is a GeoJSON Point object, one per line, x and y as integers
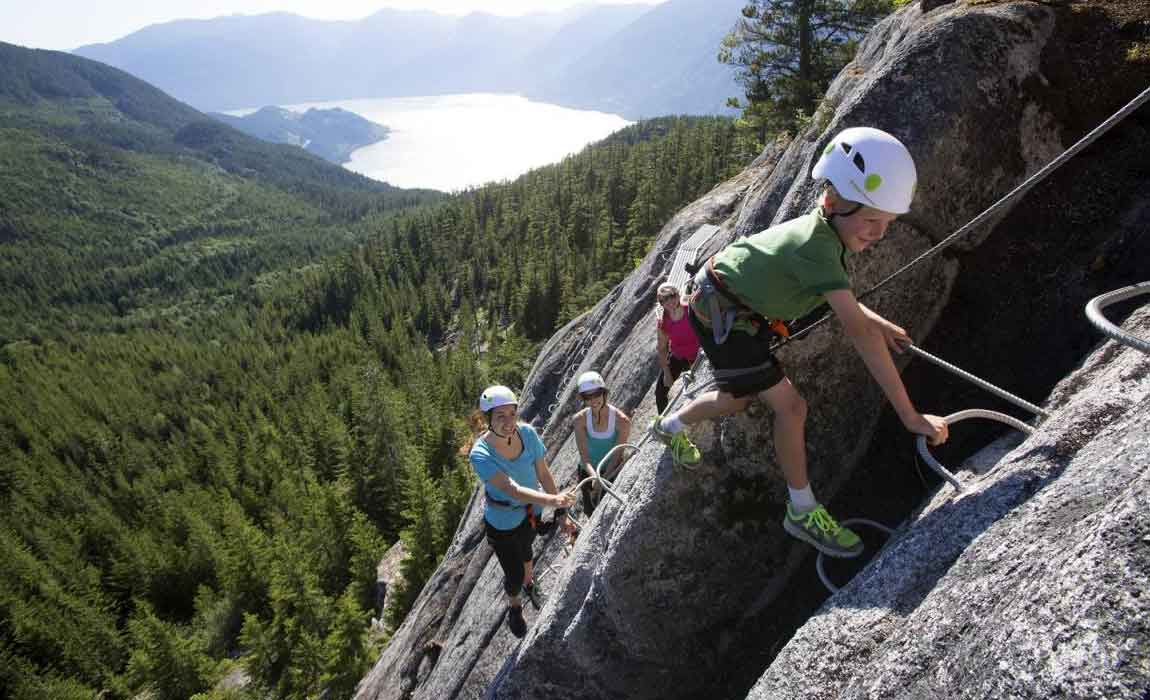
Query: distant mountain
{"type": "Point", "coordinates": [331, 134]}
{"type": "Point", "coordinates": [75, 98]}
{"type": "Point", "coordinates": [578, 37]}
{"type": "Point", "coordinates": [120, 201]}
{"type": "Point", "coordinates": [663, 63]}
{"type": "Point", "coordinates": [634, 60]}
{"type": "Point", "coordinates": [235, 62]}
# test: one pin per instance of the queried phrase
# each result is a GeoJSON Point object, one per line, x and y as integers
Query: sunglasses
{"type": "Point", "coordinates": [668, 298]}
{"type": "Point", "coordinates": [591, 394]}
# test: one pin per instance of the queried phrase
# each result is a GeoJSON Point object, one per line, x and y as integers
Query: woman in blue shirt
{"type": "Point", "coordinates": [511, 462]}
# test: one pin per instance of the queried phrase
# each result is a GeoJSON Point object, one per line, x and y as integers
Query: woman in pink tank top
{"type": "Point", "coordinates": [678, 345]}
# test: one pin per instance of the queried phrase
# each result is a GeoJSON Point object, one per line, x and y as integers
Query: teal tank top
{"type": "Point", "coordinates": [599, 444]}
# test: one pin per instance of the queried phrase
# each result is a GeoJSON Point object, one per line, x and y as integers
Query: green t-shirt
{"type": "Point", "coordinates": [784, 271]}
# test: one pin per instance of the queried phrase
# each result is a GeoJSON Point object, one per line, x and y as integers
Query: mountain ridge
{"type": "Point", "coordinates": [243, 61]}
{"type": "Point", "coordinates": [332, 134]}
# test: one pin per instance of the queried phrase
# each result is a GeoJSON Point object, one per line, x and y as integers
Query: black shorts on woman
{"type": "Point", "coordinates": [740, 351]}
{"type": "Point", "coordinates": [513, 550]}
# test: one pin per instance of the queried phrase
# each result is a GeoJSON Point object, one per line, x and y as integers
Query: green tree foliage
{"type": "Point", "coordinates": [224, 396]}
{"type": "Point", "coordinates": [786, 52]}
{"type": "Point", "coordinates": [346, 658]}
{"type": "Point", "coordinates": [423, 538]}
{"type": "Point", "coordinates": [165, 659]}
{"type": "Point", "coordinates": [536, 252]}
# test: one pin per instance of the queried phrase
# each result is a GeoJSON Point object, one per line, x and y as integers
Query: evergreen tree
{"type": "Point", "coordinates": [286, 652]}
{"type": "Point", "coordinates": [423, 539]}
{"type": "Point", "coordinates": [346, 657]}
{"type": "Point", "coordinates": [786, 52]}
{"type": "Point", "coordinates": [165, 659]}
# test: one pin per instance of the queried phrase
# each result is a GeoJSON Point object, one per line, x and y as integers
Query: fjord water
{"type": "Point", "coordinates": [450, 142]}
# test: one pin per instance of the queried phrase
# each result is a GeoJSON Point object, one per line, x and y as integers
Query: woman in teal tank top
{"type": "Point", "coordinates": [598, 428]}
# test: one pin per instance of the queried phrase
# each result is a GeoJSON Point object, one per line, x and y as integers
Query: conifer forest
{"type": "Point", "coordinates": [233, 376]}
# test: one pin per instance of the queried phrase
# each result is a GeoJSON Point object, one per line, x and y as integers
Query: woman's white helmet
{"type": "Point", "coordinates": [495, 396]}
{"type": "Point", "coordinates": [590, 381]}
{"type": "Point", "coordinates": [871, 167]}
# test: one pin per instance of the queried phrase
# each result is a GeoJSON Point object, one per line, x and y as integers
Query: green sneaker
{"type": "Point", "coordinates": [818, 529]}
{"type": "Point", "coordinates": [683, 451]}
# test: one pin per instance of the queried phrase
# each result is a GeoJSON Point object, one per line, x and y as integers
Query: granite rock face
{"type": "Point", "coordinates": [455, 639]}
{"type": "Point", "coordinates": [1032, 583]}
{"type": "Point", "coordinates": [663, 593]}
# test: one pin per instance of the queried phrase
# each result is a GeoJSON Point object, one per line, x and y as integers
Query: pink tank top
{"type": "Point", "coordinates": [681, 337]}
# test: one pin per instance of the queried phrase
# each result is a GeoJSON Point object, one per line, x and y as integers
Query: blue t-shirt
{"type": "Point", "coordinates": [487, 463]}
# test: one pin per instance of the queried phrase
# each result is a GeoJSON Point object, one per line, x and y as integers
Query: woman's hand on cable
{"type": "Point", "coordinates": [933, 427]}
{"type": "Point", "coordinates": [562, 500]}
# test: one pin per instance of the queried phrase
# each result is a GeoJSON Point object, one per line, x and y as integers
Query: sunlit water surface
{"type": "Point", "coordinates": [450, 142]}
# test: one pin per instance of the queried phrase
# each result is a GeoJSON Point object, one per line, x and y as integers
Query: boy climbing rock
{"type": "Point", "coordinates": [785, 272]}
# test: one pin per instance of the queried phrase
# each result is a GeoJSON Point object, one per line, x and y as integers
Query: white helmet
{"type": "Point", "coordinates": [496, 396]}
{"type": "Point", "coordinates": [591, 381]}
{"type": "Point", "coordinates": [871, 167]}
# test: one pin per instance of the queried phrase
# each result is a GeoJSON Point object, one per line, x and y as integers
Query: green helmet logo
{"type": "Point", "coordinates": [869, 166]}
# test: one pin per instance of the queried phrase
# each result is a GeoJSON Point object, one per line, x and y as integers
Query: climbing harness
{"type": "Point", "coordinates": [724, 307]}
{"type": "Point", "coordinates": [707, 291]}
{"type": "Point", "coordinates": [500, 503]}
{"type": "Point", "coordinates": [1094, 313]}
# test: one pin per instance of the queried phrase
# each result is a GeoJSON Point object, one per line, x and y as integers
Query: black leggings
{"type": "Point", "coordinates": [513, 548]}
{"type": "Point", "coordinates": [677, 365]}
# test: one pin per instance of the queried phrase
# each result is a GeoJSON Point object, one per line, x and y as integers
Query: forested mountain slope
{"type": "Point", "coordinates": [231, 375]}
{"type": "Point", "coordinates": [331, 134]}
{"type": "Point", "coordinates": [121, 202]}
{"type": "Point", "coordinates": [690, 588]}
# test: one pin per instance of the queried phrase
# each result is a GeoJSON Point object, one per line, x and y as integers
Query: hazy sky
{"type": "Point", "coordinates": [66, 24]}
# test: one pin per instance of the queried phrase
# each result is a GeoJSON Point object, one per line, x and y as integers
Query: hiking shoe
{"type": "Point", "coordinates": [683, 451]}
{"type": "Point", "coordinates": [516, 622]}
{"type": "Point", "coordinates": [818, 529]}
{"type": "Point", "coordinates": [534, 594]}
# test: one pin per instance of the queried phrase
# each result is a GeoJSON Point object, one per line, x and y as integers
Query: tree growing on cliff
{"type": "Point", "coordinates": [786, 52]}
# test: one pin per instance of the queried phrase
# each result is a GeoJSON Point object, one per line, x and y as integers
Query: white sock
{"type": "Point", "coordinates": [803, 499]}
{"type": "Point", "coordinates": [672, 424]}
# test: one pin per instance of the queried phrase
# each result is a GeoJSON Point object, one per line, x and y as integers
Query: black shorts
{"type": "Point", "coordinates": [513, 549]}
{"type": "Point", "coordinates": [740, 351]}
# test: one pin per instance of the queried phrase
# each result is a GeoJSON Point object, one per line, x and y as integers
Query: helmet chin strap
{"type": "Point", "coordinates": [497, 434]}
